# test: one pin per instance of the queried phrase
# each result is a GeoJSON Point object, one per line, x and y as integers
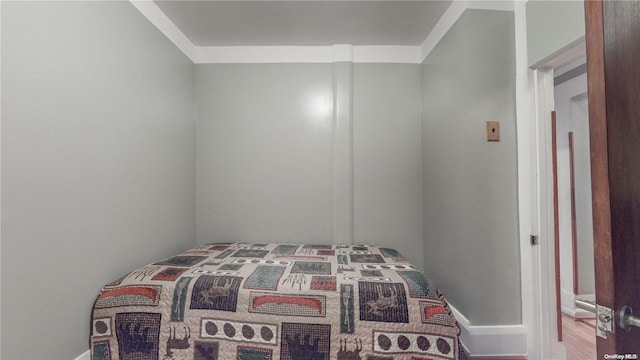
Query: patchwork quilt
{"type": "Point", "coordinates": [274, 301]}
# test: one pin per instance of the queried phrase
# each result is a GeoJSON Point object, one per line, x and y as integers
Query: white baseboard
{"type": "Point", "coordinates": [583, 314]}
{"type": "Point", "coordinates": [567, 301]}
{"type": "Point", "coordinates": [492, 340]}
{"type": "Point", "coordinates": [568, 306]}
{"type": "Point", "coordinates": [85, 356]}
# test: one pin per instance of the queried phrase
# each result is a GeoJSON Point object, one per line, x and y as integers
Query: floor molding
{"type": "Point", "coordinates": [85, 356]}
{"type": "Point", "coordinates": [494, 357]}
{"type": "Point", "coordinates": [492, 341]}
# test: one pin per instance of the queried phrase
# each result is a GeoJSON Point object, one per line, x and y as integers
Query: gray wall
{"type": "Point", "coordinates": [97, 164]}
{"type": "Point", "coordinates": [265, 154]}
{"type": "Point", "coordinates": [469, 184]}
{"type": "Point", "coordinates": [264, 147]}
{"type": "Point", "coordinates": [387, 157]}
{"type": "Point", "coordinates": [552, 25]}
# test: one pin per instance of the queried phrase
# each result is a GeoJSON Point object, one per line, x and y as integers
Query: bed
{"type": "Point", "coordinates": [274, 301]}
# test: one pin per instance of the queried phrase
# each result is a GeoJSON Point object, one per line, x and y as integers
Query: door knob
{"type": "Point", "coordinates": [627, 319]}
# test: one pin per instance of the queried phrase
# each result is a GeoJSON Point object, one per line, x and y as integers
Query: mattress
{"type": "Point", "coordinates": [274, 301]}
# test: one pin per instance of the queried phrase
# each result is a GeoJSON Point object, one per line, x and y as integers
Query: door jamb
{"type": "Point", "coordinates": [541, 90]}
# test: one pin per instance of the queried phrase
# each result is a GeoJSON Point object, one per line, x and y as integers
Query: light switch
{"type": "Point", "coordinates": [493, 131]}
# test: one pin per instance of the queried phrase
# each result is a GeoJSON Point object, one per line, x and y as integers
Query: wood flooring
{"type": "Point", "coordinates": [579, 338]}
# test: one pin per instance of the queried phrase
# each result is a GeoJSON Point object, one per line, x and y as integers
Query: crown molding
{"type": "Point", "coordinates": [387, 54]}
{"type": "Point", "coordinates": [158, 18]}
{"type": "Point", "coordinates": [451, 16]}
{"type": "Point", "coordinates": [314, 54]}
{"type": "Point", "coordinates": [263, 54]}
{"type": "Point", "coordinates": [307, 54]}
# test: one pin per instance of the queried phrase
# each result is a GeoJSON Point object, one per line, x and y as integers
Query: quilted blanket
{"type": "Point", "coordinates": [270, 301]}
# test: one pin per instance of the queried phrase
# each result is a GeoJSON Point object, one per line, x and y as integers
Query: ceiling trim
{"type": "Point", "coordinates": [446, 22]}
{"type": "Point", "coordinates": [314, 54]}
{"type": "Point", "coordinates": [387, 54]}
{"type": "Point", "coordinates": [307, 54]}
{"type": "Point", "coordinates": [158, 18]}
{"type": "Point", "coordinates": [451, 16]}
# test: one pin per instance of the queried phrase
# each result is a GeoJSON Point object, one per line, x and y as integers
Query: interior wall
{"type": "Point", "coordinates": [387, 146]}
{"type": "Point", "coordinates": [470, 185]}
{"type": "Point", "coordinates": [98, 170]}
{"type": "Point", "coordinates": [264, 152]}
{"type": "Point", "coordinates": [258, 122]}
{"type": "Point", "coordinates": [552, 25]}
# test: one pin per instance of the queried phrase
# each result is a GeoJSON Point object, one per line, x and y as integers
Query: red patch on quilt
{"type": "Point", "coordinates": [150, 293]}
{"type": "Point", "coordinates": [305, 257]}
{"type": "Point", "coordinates": [292, 300]}
{"type": "Point", "coordinates": [326, 252]}
{"type": "Point", "coordinates": [326, 283]}
{"type": "Point", "coordinates": [169, 274]}
{"type": "Point", "coordinates": [430, 311]}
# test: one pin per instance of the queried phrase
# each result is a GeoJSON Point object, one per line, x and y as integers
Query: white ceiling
{"type": "Point", "coordinates": [304, 23]}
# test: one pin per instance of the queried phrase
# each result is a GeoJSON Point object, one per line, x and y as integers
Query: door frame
{"type": "Point", "coordinates": [542, 97]}
{"type": "Point", "coordinates": [542, 92]}
{"type": "Point", "coordinates": [535, 101]}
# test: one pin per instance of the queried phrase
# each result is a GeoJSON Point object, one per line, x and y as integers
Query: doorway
{"type": "Point", "coordinates": [575, 222]}
{"type": "Point", "coordinates": [613, 115]}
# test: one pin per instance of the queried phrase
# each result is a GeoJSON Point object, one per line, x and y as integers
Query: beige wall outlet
{"type": "Point", "coordinates": [493, 131]}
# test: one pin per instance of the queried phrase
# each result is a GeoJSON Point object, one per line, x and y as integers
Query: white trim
{"type": "Point", "coordinates": [498, 340]}
{"type": "Point", "coordinates": [313, 54]}
{"type": "Point", "coordinates": [158, 18]}
{"type": "Point", "coordinates": [263, 54]}
{"type": "Point", "coordinates": [307, 54]}
{"type": "Point", "coordinates": [544, 104]}
{"type": "Point", "coordinates": [85, 356]}
{"type": "Point", "coordinates": [567, 299]}
{"type": "Point", "coordinates": [543, 92]}
{"type": "Point", "coordinates": [387, 54]}
{"type": "Point", "coordinates": [581, 60]}
{"type": "Point", "coordinates": [527, 191]}
{"type": "Point", "coordinates": [451, 16]}
{"type": "Point", "coordinates": [274, 54]}
{"type": "Point", "coordinates": [572, 52]}
{"type": "Point", "coordinates": [542, 89]}
{"type": "Point", "coordinates": [583, 314]}
{"type": "Point", "coordinates": [499, 5]}
{"type": "Point", "coordinates": [534, 99]}
{"type": "Point", "coordinates": [0, 175]}
{"type": "Point", "coordinates": [568, 306]}
{"type": "Point", "coordinates": [342, 52]}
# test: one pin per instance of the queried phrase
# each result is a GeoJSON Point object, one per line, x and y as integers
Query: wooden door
{"type": "Point", "coordinates": [613, 60]}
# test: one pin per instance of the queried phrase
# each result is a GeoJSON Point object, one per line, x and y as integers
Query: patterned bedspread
{"type": "Point", "coordinates": [274, 301]}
